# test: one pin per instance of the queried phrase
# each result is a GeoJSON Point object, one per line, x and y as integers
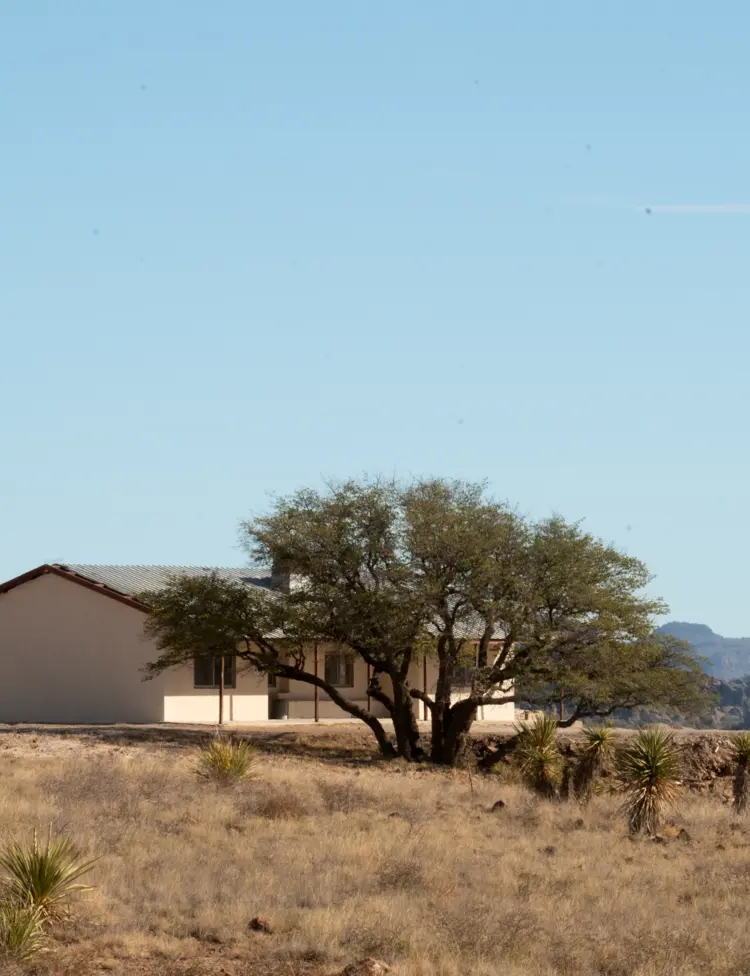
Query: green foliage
{"type": "Point", "coordinates": [197, 616]}
{"type": "Point", "coordinates": [539, 759]}
{"type": "Point", "coordinates": [515, 609]}
{"type": "Point", "coordinates": [225, 760]}
{"type": "Point", "coordinates": [44, 876]}
{"type": "Point", "coordinates": [21, 930]}
{"type": "Point", "coordinates": [598, 749]}
{"type": "Point", "coordinates": [650, 767]}
{"type": "Point", "coordinates": [741, 782]}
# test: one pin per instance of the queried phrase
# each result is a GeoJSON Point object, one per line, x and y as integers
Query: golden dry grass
{"type": "Point", "coordinates": [383, 860]}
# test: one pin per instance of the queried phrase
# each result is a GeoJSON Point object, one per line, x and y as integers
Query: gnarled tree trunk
{"type": "Point", "coordinates": [452, 731]}
{"type": "Point", "coordinates": [405, 725]}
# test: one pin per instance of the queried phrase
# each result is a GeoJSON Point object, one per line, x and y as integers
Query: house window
{"type": "Point", "coordinates": [207, 671]}
{"type": "Point", "coordinates": [272, 680]}
{"type": "Point", "coordinates": [339, 670]}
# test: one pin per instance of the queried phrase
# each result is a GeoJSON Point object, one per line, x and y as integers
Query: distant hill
{"type": "Point", "coordinates": [727, 658]}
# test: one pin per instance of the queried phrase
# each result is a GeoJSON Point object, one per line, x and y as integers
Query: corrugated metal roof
{"type": "Point", "coordinates": [132, 580]}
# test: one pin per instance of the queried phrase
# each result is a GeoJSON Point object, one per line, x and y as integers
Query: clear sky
{"type": "Point", "coordinates": [245, 246]}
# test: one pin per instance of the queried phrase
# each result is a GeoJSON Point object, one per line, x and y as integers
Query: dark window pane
{"type": "Point", "coordinates": [203, 672]}
{"type": "Point", "coordinates": [332, 669]}
{"type": "Point", "coordinates": [207, 672]}
{"type": "Point", "coordinates": [229, 671]}
{"type": "Point", "coordinates": [339, 670]}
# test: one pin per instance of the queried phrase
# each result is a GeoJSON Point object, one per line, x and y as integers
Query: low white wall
{"type": "Point", "coordinates": [492, 713]}
{"type": "Point", "coordinates": [248, 702]}
{"type": "Point", "coordinates": [305, 708]}
{"type": "Point", "coordinates": [497, 713]}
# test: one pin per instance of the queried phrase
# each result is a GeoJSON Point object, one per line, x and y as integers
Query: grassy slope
{"type": "Point", "coordinates": [351, 858]}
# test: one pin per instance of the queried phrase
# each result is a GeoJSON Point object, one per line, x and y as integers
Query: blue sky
{"type": "Point", "coordinates": [245, 246]}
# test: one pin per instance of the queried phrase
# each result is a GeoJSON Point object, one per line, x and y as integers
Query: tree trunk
{"type": "Point", "coordinates": [503, 750]}
{"type": "Point", "coordinates": [440, 712]}
{"type": "Point", "coordinates": [405, 724]}
{"type": "Point", "coordinates": [457, 721]}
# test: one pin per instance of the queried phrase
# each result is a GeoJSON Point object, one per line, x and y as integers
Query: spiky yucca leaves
{"type": "Point", "coordinates": [43, 876]}
{"type": "Point", "coordinates": [650, 767]}
{"type": "Point", "coordinates": [600, 740]}
{"type": "Point", "coordinates": [21, 930]}
{"type": "Point", "coordinates": [539, 759]}
{"type": "Point", "coordinates": [225, 760]}
{"type": "Point", "coordinates": [741, 782]}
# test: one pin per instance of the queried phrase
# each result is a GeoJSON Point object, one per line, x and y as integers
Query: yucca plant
{"type": "Point", "coordinates": [741, 782]}
{"type": "Point", "coordinates": [598, 749]}
{"type": "Point", "coordinates": [225, 760]}
{"type": "Point", "coordinates": [539, 759]}
{"type": "Point", "coordinates": [21, 930]}
{"type": "Point", "coordinates": [650, 767]}
{"type": "Point", "coordinates": [43, 876]}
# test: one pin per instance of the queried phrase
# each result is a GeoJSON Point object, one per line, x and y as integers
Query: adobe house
{"type": "Point", "coordinates": [72, 647]}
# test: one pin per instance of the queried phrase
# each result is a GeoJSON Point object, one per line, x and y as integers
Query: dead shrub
{"type": "Point", "coordinates": [401, 872]}
{"type": "Point", "coordinates": [344, 796]}
{"type": "Point", "coordinates": [273, 801]}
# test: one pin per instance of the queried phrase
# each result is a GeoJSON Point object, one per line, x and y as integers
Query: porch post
{"type": "Point", "coordinates": [315, 687]}
{"type": "Point", "coordinates": [221, 691]}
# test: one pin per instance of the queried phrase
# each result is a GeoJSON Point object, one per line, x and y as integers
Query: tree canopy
{"type": "Point", "coordinates": [509, 608]}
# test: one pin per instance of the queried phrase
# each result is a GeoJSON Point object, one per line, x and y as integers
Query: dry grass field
{"type": "Point", "coordinates": [348, 858]}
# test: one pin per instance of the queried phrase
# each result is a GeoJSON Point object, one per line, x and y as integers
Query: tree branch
{"type": "Point", "coordinates": [423, 697]}
{"type": "Point", "coordinates": [297, 674]}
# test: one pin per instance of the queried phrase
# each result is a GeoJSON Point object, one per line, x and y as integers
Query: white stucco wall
{"type": "Point", "coordinates": [71, 655]}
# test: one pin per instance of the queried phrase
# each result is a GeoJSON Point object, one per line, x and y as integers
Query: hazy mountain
{"type": "Point", "coordinates": [727, 657]}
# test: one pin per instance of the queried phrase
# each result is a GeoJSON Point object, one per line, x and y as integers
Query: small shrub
{"type": "Point", "coordinates": [43, 876]}
{"type": "Point", "coordinates": [404, 873]}
{"type": "Point", "coordinates": [650, 767]}
{"type": "Point", "coordinates": [539, 759]}
{"type": "Point", "coordinates": [343, 797]}
{"type": "Point", "coordinates": [21, 930]}
{"type": "Point", "coordinates": [741, 782]}
{"type": "Point", "coordinates": [278, 804]}
{"type": "Point", "coordinates": [598, 749]}
{"type": "Point", "coordinates": [225, 760]}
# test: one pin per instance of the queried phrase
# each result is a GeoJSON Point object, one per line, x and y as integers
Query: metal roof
{"type": "Point", "coordinates": [132, 580]}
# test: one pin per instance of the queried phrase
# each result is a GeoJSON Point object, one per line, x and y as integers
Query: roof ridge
{"type": "Point", "coordinates": [151, 565]}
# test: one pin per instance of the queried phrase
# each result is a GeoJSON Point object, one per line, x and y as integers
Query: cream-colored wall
{"type": "Point", "coordinates": [70, 655]}
{"type": "Point", "coordinates": [305, 709]}
{"type": "Point", "coordinates": [248, 702]}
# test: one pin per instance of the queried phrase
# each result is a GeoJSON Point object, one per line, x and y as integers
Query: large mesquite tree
{"type": "Point", "coordinates": [509, 608]}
